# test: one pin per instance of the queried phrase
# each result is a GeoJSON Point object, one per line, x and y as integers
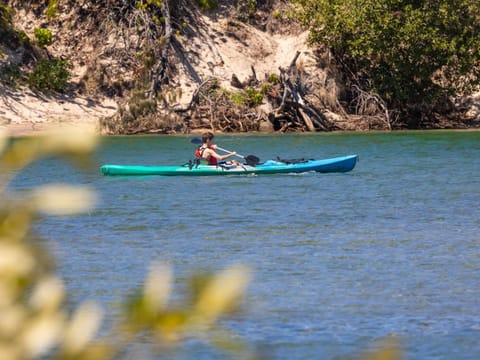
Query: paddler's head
{"type": "Point", "coordinates": [207, 137]}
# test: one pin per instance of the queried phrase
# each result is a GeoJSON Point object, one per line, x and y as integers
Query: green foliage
{"type": "Point", "coordinates": [411, 51]}
{"type": "Point", "coordinates": [147, 58]}
{"type": "Point", "coordinates": [254, 97]}
{"type": "Point", "coordinates": [8, 34]}
{"type": "Point", "coordinates": [273, 78]}
{"type": "Point", "coordinates": [50, 75]}
{"type": "Point", "coordinates": [10, 75]}
{"type": "Point", "coordinates": [265, 88]}
{"type": "Point", "coordinates": [246, 10]}
{"type": "Point", "coordinates": [140, 105]}
{"type": "Point", "coordinates": [250, 97]}
{"type": "Point", "coordinates": [277, 14]}
{"type": "Point", "coordinates": [6, 14]}
{"type": "Point", "coordinates": [23, 37]}
{"type": "Point", "coordinates": [51, 11]}
{"type": "Point", "coordinates": [238, 98]}
{"type": "Point", "coordinates": [251, 5]}
{"type": "Point", "coordinates": [148, 4]}
{"type": "Point", "coordinates": [207, 4]}
{"type": "Point", "coordinates": [43, 36]}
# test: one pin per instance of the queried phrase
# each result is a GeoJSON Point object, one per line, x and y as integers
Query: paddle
{"type": "Point", "coordinates": [251, 160]}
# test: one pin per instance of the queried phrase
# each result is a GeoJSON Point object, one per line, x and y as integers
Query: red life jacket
{"type": "Point", "coordinates": [199, 154]}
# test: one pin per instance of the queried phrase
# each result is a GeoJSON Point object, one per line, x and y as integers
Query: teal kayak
{"type": "Point", "coordinates": [337, 164]}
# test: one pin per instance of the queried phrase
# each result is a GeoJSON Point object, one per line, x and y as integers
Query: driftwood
{"type": "Point", "coordinates": [290, 112]}
{"type": "Point", "coordinates": [251, 81]}
{"type": "Point", "coordinates": [212, 108]}
{"type": "Point", "coordinates": [292, 101]}
{"type": "Point", "coordinates": [235, 82]}
{"type": "Point", "coordinates": [370, 104]}
{"type": "Point", "coordinates": [217, 109]}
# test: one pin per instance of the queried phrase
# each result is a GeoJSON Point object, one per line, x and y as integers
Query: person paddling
{"type": "Point", "coordinates": [207, 151]}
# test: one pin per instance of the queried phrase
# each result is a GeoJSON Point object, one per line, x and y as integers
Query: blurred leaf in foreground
{"type": "Point", "coordinates": [34, 321]}
{"type": "Point", "coordinates": [388, 349]}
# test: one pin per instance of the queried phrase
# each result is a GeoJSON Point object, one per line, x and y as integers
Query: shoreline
{"type": "Point", "coordinates": [27, 113]}
{"type": "Point", "coordinates": [29, 128]}
{"type": "Point", "coordinates": [24, 113]}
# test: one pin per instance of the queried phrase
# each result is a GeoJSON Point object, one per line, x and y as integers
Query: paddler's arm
{"type": "Point", "coordinates": [220, 157]}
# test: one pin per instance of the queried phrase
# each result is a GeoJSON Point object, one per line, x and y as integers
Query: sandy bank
{"type": "Point", "coordinates": [27, 113]}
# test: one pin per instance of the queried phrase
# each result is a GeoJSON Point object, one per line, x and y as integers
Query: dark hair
{"type": "Point", "coordinates": [207, 136]}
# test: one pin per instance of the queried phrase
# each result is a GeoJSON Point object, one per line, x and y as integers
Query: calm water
{"type": "Point", "coordinates": [339, 260]}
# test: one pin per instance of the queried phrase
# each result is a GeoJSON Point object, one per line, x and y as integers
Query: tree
{"type": "Point", "coordinates": [412, 53]}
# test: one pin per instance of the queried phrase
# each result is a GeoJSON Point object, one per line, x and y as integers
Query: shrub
{"type": "Point", "coordinates": [207, 4]}
{"type": "Point", "coordinates": [277, 14]}
{"type": "Point", "coordinates": [273, 79]}
{"type": "Point", "coordinates": [254, 97]}
{"type": "Point", "coordinates": [251, 5]}
{"type": "Point", "coordinates": [51, 12]}
{"type": "Point", "coordinates": [250, 97]}
{"type": "Point", "coordinates": [399, 48]}
{"type": "Point", "coordinates": [23, 37]}
{"type": "Point", "coordinates": [43, 36]}
{"type": "Point", "coordinates": [5, 16]}
{"type": "Point", "coordinates": [50, 75]}
{"type": "Point", "coordinates": [238, 98]}
{"type": "Point", "coordinates": [265, 88]}
{"type": "Point", "coordinates": [10, 74]}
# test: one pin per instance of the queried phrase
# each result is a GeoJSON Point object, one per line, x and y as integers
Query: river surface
{"type": "Point", "coordinates": [338, 260]}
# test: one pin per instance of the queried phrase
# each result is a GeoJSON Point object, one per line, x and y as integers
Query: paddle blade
{"type": "Point", "coordinates": [252, 160]}
{"type": "Point", "coordinates": [196, 141]}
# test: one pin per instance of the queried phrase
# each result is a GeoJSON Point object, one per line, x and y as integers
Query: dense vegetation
{"type": "Point", "coordinates": [397, 61]}
{"type": "Point", "coordinates": [36, 67]}
{"type": "Point", "coordinates": [412, 53]}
